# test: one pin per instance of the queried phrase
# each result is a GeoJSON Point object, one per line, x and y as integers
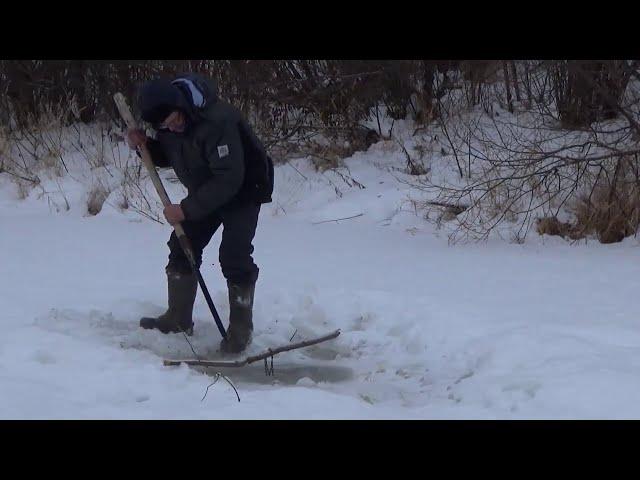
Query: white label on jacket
{"type": "Point", "coordinates": [223, 151]}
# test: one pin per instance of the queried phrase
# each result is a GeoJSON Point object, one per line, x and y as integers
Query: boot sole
{"type": "Point", "coordinates": [150, 325]}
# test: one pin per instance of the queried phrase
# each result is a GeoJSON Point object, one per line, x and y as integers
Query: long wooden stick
{"type": "Point", "coordinates": [266, 354]}
{"type": "Point", "coordinates": [123, 108]}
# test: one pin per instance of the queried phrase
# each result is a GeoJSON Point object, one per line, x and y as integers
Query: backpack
{"type": "Point", "coordinates": [258, 167]}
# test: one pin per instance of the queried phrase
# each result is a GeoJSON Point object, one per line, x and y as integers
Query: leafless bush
{"type": "Point", "coordinates": [525, 166]}
{"type": "Point", "coordinates": [549, 132]}
{"type": "Point", "coordinates": [23, 188]}
{"type": "Point", "coordinates": [282, 98]}
{"type": "Point", "coordinates": [39, 149]}
{"type": "Point", "coordinates": [98, 193]}
{"type": "Point", "coordinates": [579, 88]}
{"type": "Point", "coordinates": [611, 210]}
{"type": "Point", "coordinates": [553, 227]}
{"type": "Point", "coordinates": [137, 194]}
{"type": "Point", "coordinates": [413, 167]}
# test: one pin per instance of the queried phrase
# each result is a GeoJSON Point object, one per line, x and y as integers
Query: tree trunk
{"type": "Point", "coordinates": [507, 84]}
{"type": "Point", "coordinates": [527, 76]}
{"type": "Point", "coordinates": [516, 86]}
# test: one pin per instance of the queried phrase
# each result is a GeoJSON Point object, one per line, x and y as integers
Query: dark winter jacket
{"type": "Point", "coordinates": [216, 156]}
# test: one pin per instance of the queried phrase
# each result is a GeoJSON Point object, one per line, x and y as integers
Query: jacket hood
{"type": "Point", "coordinates": [190, 93]}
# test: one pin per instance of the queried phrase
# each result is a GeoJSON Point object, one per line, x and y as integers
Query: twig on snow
{"type": "Point", "coordinates": [338, 219]}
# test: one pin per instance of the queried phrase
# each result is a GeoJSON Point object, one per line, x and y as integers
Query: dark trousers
{"type": "Point", "coordinates": [239, 223]}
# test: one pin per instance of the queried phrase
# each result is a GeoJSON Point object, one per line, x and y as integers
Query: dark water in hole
{"type": "Point", "coordinates": [283, 374]}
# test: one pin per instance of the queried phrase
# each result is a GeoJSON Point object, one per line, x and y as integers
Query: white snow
{"type": "Point", "coordinates": [429, 330]}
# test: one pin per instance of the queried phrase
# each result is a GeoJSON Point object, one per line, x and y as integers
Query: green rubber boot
{"type": "Point", "coordinates": [240, 318]}
{"type": "Point", "coordinates": [182, 289]}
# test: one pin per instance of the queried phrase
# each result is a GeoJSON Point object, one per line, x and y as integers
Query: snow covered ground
{"type": "Point", "coordinates": [429, 330]}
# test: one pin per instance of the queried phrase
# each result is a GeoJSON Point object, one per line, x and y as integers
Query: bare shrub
{"type": "Point", "coordinates": [23, 188]}
{"type": "Point", "coordinates": [523, 167]}
{"type": "Point", "coordinates": [4, 145]}
{"type": "Point", "coordinates": [137, 194]}
{"type": "Point", "coordinates": [531, 153]}
{"type": "Point", "coordinates": [413, 167]}
{"type": "Point", "coordinates": [554, 227]}
{"type": "Point", "coordinates": [123, 203]}
{"type": "Point", "coordinates": [96, 197]}
{"type": "Point", "coordinates": [578, 86]}
{"type": "Point", "coordinates": [612, 210]}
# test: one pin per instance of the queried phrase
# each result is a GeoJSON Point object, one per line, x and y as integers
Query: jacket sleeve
{"type": "Point", "coordinates": [225, 156]}
{"type": "Point", "coordinates": [158, 157]}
